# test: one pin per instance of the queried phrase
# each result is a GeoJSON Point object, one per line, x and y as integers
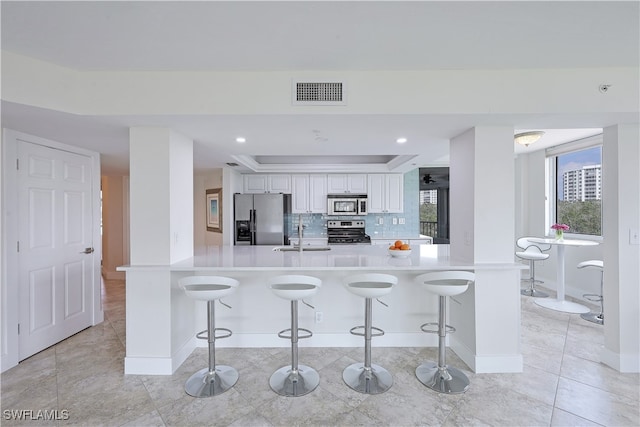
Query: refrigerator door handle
{"type": "Point", "coordinates": [252, 225]}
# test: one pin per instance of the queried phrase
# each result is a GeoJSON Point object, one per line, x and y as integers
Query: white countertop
{"type": "Point", "coordinates": [343, 257]}
{"type": "Point", "coordinates": [394, 236]}
{"type": "Point", "coordinates": [566, 242]}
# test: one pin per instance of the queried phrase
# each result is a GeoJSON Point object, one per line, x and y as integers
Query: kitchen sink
{"type": "Point", "coordinates": [304, 248]}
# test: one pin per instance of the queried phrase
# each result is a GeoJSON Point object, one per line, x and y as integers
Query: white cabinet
{"type": "Point", "coordinates": [386, 193]}
{"type": "Point", "coordinates": [309, 193]}
{"type": "Point", "coordinates": [421, 241]}
{"type": "Point", "coordinates": [412, 242]}
{"type": "Point", "coordinates": [261, 183]}
{"type": "Point", "coordinates": [355, 183]}
{"type": "Point", "coordinates": [384, 242]}
{"type": "Point", "coordinates": [309, 241]}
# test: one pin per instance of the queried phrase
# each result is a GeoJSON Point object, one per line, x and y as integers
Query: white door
{"type": "Point", "coordinates": [55, 258]}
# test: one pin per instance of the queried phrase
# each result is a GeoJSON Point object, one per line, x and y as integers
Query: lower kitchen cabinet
{"type": "Point", "coordinates": [421, 241]}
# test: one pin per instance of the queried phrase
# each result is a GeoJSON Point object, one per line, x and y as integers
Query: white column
{"type": "Point", "coordinates": [161, 211]}
{"type": "Point", "coordinates": [161, 182]}
{"type": "Point", "coordinates": [487, 317]}
{"type": "Point", "coordinates": [621, 217]}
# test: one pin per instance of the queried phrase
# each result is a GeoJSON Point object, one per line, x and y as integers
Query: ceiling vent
{"type": "Point", "coordinates": [319, 93]}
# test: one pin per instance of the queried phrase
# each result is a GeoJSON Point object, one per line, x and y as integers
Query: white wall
{"type": "Point", "coordinates": [486, 92]}
{"type": "Point", "coordinates": [113, 226]}
{"type": "Point", "coordinates": [621, 216]}
{"type": "Point", "coordinates": [181, 196]}
{"type": "Point", "coordinates": [202, 181]}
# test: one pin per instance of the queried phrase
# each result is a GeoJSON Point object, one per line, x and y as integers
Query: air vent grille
{"type": "Point", "coordinates": [319, 93]}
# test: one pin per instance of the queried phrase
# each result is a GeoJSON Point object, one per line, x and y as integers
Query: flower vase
{"type": "Point", "coordinates": [560, 235]}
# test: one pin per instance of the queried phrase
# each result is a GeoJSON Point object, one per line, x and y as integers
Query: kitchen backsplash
{"type": "Point", "coordinates": [377, 225]}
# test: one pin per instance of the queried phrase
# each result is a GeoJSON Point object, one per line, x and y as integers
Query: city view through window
{"type": "Point", "coordinates": [579, 191]}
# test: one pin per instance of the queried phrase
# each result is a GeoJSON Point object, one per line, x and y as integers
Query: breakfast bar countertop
{"type": "Point", "coordinates": [161, 325]}
{"type": "Point", "coordinates": [343, 257]}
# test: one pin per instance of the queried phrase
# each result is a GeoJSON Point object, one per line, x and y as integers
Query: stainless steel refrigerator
{"type": "Point", "coordinates": [260, 219]}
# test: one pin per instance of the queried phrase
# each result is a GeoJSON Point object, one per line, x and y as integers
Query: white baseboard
{"type": "Point", "coordinates": [141, 365]}
{"type": "Point", "coordinates": [621, 362]}
{"type": "Point", "coordinates": [148, 365]}
{"type": "Point", "coordinates": [168, 365]}
{"type": "Point", "coordinates": [487, 364]}
{"type": "Point", "coordinates": [569, 291]}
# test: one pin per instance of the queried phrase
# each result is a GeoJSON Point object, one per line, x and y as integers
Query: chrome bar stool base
{"type": "Point", "coordinates": [594, 317]}
{"type": "Point", "coordinates": [444, 380]}
{"type": "Point", "coordinates": [533, 293]}
{"type": "Point", "coordinates": [375, 380]}
{"type": "Point", "coordinates": [205, 384]}
{"type": "Point", "coordinates": [287, 383]}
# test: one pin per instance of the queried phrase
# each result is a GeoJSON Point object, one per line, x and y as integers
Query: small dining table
{"type": "Point", "coordinates": [559, 303]}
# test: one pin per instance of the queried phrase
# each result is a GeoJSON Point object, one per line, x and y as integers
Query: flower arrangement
{"type": "Point", "coordinates": [560, 229]}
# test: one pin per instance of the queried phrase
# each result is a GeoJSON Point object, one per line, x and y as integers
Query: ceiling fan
{"type": "Point", "coordinates": [427, 179]}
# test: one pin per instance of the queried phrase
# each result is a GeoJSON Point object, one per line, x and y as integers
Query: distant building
{"type": "Point", "coordinates": [582, 184]}
{"type": "Point", "coordinates": [429, 196]}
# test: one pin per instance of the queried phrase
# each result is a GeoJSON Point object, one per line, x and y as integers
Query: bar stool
{"type": "Point", "coordinates": [215, 379]}
{"type": "Point", "coordinates": [439, 376]}
{"type": "Point", "coordinates": [532, 252]}
{"type": "Point", "coordinates": [367, 377]}
{"type": "Point", "coordinates": [592, 316]}
{"type": "Point", "coordinates": [294, 380]}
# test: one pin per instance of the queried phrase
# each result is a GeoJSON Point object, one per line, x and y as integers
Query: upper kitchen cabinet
{"type": "Point", "coordinates": [261, 183]}
{"type": "Point", "coordinates": [386, 193]}
{"type": "Point", "coordinates": [309, 193]}
{"type": "Point", "coordinates": [347, 183]}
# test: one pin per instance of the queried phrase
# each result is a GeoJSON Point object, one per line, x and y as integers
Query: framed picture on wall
{"type": "Point", "coordinates": [214, 210]}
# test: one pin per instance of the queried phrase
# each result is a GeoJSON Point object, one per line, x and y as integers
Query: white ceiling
{"type": "Point", "coordinates": [306, 35]}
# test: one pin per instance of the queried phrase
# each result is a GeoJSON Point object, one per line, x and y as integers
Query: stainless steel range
{"type": "Point", "coordinates": [347, 233]}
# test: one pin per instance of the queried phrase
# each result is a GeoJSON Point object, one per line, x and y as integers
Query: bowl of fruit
{"type": "Point", "coordinates": [400, 249]}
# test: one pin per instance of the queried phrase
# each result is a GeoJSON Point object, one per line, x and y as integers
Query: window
{"type": "Point", "coordinates": [577, 173]}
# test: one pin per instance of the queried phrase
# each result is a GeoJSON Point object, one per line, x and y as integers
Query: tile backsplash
{"type": "Point", "coordinates": [377, 225]}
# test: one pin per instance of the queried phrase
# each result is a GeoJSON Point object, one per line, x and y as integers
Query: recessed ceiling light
{"type": "Point", "coordinates": [401, 140]}
{"type": "Point", "coordinates": [241, 139]}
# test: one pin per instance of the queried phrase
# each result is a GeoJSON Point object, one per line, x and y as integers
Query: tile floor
{"type": "Point", "coordinates": [563, 384]}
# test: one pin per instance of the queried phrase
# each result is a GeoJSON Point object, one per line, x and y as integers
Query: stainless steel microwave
{"type": "Point", "coordinates": [347, 204]}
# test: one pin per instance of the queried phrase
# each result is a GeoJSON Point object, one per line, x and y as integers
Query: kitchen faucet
{"type": "Point", "coordinates": [300, 232]}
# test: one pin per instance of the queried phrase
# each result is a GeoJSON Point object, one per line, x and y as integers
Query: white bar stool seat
{"type": "Point", "coordinates": [366, 377]}
{"type": "Point", "coordinates": [439, 376]}
{"type": "Point", "coordinates": [593, 316]}
{"type": "Point", "coordinates": [215, 379]}
{"type": "Point", "coordinates": [294, 380]}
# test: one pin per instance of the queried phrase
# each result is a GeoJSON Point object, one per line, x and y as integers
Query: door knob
{"type": "Point", "coordinates": [87, 251]}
